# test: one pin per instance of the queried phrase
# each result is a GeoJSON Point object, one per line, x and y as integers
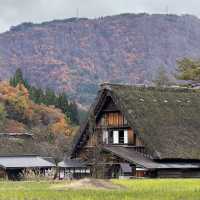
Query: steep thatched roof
{"type": "Point", "coordinates": [167, 120]}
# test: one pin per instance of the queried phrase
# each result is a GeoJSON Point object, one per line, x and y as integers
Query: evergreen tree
{"type": "Point", "coordinates": [62, 103]}
{"type": "Point", "coordinates": [18, 78]}
{"type": "Point", "coordinates": [50, 97]}
{"type": "Point", "coordinates": [36, 95]}
{"type": "Point", "coordinates": [73, 114]}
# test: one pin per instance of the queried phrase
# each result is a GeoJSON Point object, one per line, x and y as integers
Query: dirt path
{"type": "Point", "coordinates": [89, 184]}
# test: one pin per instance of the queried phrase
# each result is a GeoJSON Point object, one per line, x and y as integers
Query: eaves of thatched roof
{"type": "Point", "coordinates": [130, 155]}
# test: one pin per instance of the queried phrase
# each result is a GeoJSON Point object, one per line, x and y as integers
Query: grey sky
{"type": "Point", "coordinates": [13, 12]}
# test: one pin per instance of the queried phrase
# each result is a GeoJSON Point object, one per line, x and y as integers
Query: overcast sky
{"type": "Point", "coordinates": [13, 12]}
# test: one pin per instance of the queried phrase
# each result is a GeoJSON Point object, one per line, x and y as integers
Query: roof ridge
{"type": "Point", "coordinates": [19, 155]}
{"type": "Point", "coordinates": [173, 88]}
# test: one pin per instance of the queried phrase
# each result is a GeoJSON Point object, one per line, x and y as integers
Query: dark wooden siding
{"type": "Point", "coordinates": [178, 173]}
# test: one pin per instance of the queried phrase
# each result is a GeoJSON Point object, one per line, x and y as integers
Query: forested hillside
{"type": "Point", "coordinates": [76, 55]}
{"type": "Point", "coordinates": [49, 128]}
{"type": "Point", "coordinates": [47, 97]}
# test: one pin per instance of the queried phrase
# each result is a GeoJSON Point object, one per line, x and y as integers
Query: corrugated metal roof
{"type": "Point", "coordinates": [24, 162]}
{"type": "Point", "coordinates": [16, 134]}
{"type": "Point", "coordinates": [72, 163]}
{"type": "Point", "coordinates": [134, 157]}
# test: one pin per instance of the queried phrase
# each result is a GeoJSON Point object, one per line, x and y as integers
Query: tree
{"type": "Point", "coordinates": [3, 115]}
{"type": "Point", "coordinates": [62, 103]}
{"type": "Point", "coordinates": [188, 69]}
{"type": "Point", "coordinates": [50, 97]}
{"type": "Point", "coordinates": [36, 95]}
{"type": "Point", "coordinates": [73, 113]}
{"type": "Point", "coordinates": [161, 78]}
{"type": "Point", "coordinates": [18, 78]}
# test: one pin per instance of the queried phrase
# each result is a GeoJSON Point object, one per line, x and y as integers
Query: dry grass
{"type": "Point", "coordinates": [89, 184]}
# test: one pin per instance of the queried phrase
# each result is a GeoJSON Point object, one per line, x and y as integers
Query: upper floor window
{"type": "Point", "coordinates": [115, 137]}
{"type": "Point", "coordinates": [121, 136]}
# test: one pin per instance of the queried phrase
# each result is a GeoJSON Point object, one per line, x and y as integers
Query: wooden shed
{"type": "Point", "coordinates": [73, 169]}
{"type": "Point", "coordinates": [13, 166]}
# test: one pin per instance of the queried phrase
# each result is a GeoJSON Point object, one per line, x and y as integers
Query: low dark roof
{"type": "Point", "coordinates": [24, 161]}
{"type": "Point", "coordinates": [72, 163]}
{"type": "Point", "coordinates": [132, 156]}
{"type": "Point", "coordinates": [129, 154]}
{"type": "Point", "coordinates": [16, 134]}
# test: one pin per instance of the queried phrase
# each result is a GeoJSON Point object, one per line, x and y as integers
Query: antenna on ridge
{"type": "Point", "coordinates": [167, 10]}
{"type": "Point", "coordinates": [77, 13]}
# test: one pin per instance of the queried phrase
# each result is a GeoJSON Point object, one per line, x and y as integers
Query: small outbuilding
{"type": "Point", "coordinates": [13, 167]}
{"type": "Point", "coordinates": [73, 168]}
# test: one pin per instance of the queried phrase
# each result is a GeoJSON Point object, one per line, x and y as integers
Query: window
{"type": "Point", "coordinates": [125, 136]}
{"type": "Point", "coordinates": [105, 137]}
{"type": "Point", "coordinates": [121, 137]}
{"type": "Point", "coordinates": [115, 137]}
{"type": "Point", "coordinates": [110, 137]}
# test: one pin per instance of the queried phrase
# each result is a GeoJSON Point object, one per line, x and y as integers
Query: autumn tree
{"type": "Point", "coordinates": [161, 78]}
{"type": "Point", "coordinates": [188, 69]}
{"type": "Point", "coordinates": [18, 103]}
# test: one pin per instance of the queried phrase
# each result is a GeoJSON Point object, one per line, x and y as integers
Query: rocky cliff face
{"type": "Point", "coordinates": [76, 55]}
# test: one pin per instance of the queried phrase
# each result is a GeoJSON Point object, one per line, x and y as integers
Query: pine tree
{"type": "Point", "coordinates": [18, 78]}
{"type": "Point", "coordinates": [50, 97]}
{"type": "Point", "coordinates": [62, 103]}
{"type": "Point", "coordinates": [74, 116]}
{"type": "Point", "coordinates": [36, 95]}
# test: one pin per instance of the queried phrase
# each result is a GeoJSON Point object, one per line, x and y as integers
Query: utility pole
{"type": "Point", "coordinates": [167, 10]}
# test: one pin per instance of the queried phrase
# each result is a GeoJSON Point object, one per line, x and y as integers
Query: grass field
{"type": "Point", "coordinates": [159, 189]}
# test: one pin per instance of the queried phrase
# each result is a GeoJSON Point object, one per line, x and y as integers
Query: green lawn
{"type": "Point", "coordinates": [157, 189]}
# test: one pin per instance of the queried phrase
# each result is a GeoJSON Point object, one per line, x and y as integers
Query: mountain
{"type": "Point", "coordinates": [76, 55]}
